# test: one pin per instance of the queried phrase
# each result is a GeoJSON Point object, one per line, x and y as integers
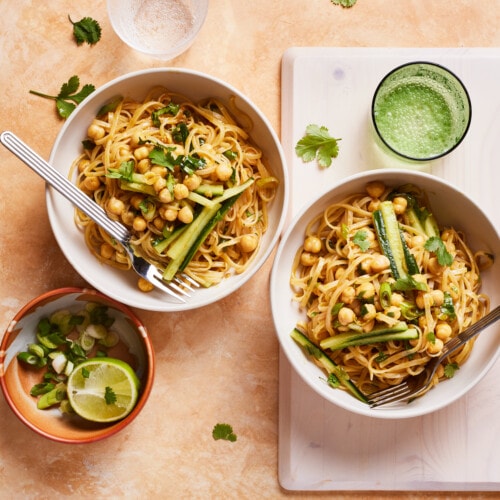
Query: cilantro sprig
{"type": "Point", "coordinates": [361, 239]}
{"type": "Point", "coordinates": [436, 245]}
{"type": "Point", "coordinates": [86, 30]}
{"type": "Point", "coordinates": [317, 144]}
{"type": "Point", "coordinates": [69, 96]}
{"type": "Point", "coordinates": [224, 431]}
{"type": "Point", "coordinates": [344, 3]}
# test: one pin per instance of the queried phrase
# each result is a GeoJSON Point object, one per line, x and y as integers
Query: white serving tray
{"type": "Point", "coordinates": [323, 447]}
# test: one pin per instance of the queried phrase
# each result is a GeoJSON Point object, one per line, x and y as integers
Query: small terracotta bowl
{"type": "Point", "coordinates": [16, 379]}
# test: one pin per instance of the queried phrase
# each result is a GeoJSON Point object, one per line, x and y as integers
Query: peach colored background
{"type": "Point", "coordinates": [220, 363]}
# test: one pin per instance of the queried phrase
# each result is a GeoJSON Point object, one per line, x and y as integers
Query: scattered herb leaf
{"type": "Point", "coordinates": [69, 96]}
{"type": "Point", "coordinates": [381, 356]}
{"type": "Point", "coordinates": [86, 30]}
{"type": "Point", "coordinates": [109, 396]}
{"type": "Point", "coordinates": [431, 337]}
{"type": "Point", "coordinates": [409, 283]}
{"type": "Point", "coordinates": [333, 381]}
{"type": "Point", "coordinates": [450, 369]}
{"type": "Point", "coordinates": [224, 431]}
{"type": "Point", "coordinates": [361, 239]}
{"type": "Point", "coordinates": [344, 3]}
{"type": "Point", "coordinates": [125, 171]}
{"type": "Point", "coordinates": [447, 308]}
{"type": "Point", "coordinates": [317, 144]}
{"type": "Point", "coordinates": [436, 245]}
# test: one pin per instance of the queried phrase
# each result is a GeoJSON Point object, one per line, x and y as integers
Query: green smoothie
{"type": "Point", "coordinates": [415, 120]}
{"type": "Point", "coordinates": [421, 111]}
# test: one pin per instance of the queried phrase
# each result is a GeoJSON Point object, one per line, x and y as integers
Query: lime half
{"type": "Point", "coordinates": [103, 389]}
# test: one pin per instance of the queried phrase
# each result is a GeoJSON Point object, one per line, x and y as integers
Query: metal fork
{"type": "Point", "coordinates": [413, 386]}
{"type": "Point", "coordinates": [182, 286]}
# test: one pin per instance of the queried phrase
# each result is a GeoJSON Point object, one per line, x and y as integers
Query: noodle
{"type": "Point", "coordinates": [344, 282]}
{"type": "Point", "coordinates": [153, 165]}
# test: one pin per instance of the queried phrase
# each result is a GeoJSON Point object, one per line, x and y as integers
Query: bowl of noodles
{"type": "Point", "coordinates": [190, 166]}
{"type": "Point", "coordinates": [374, 277]}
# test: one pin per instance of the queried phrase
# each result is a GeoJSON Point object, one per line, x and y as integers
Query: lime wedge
{"type": "Point", "coordinates": [103, 389]}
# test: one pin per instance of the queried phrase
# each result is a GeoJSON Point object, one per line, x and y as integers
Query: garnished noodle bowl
{"type": "Point", "coordinates": [179, 151]}
{"type": "Point", "coordinates": [343, 282]}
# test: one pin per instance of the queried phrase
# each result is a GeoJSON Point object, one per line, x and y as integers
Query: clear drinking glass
{"type": "Point", "coordinates": [421, 111]}
{"type": "Point", "coordinates": [162, 29]}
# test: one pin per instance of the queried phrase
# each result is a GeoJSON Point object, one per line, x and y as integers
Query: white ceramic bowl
{"type": "Point", "coordinates": [452, 207]}
{"type": "Point", "coordinates": [16, 379]}
{"type": "Point", "coordinates": [122, 285]}
{"type": "Point", "coordinates": [159, 29]}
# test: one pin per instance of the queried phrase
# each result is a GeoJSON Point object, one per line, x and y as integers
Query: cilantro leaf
{"type": "Point", "coordinates": [450, 369]}
{"type": "Point", "coordinates": [171, 109]}
{"type": "Point", "coordinates": [333, 381]}
{"type": "Point", "coordinates": [409, 283]}
{"type": "Point", "coordinates": [125, 171]}
{"type": "Point", "coordinates": [317, 144]}
{"type": "Point", "coordinates": [361, 239]}
{"type": "Point", "coordinates": [224, 431]}
{"type": "Point", "coordinates": [447, 308]}
{"type": "Point", "coordinates": [68, 97]}
{"type": "Point", "coordinates": [86, 30]}
{"type": "Point", "coordinates": [344, 3]}
{"type": "Point", "coordinates": [109, 395]}
{"type": "Point", "coordinates": [436, 245]}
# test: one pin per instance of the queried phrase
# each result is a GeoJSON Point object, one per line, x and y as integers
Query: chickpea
{"type": "Point", "coordinates": [141, 153]}
{"type": "Point", "coordinates": [115, 206]}
{"type": "Point", "coordinates": [375, 189]}
{"type": "Point", "coordinates": [379, 263]}
{"type": "Point", "coordinates": [180, 191]}
{"type": "Point", "coordinates": [307, 259]}
{"type": "Point", "coordinates": [158, 223]}
{"type": "Point", "coordinates": [346, 316]}
{"type": "Point", "coordinates": [192, 182]}
{"type": "Point", "coordinates": [374, 205]}
{"type": "Point", "coordinates": [91, 183]}
{"type": "Point", "coordinates": [368, 326]}
{"type": "Point", "coordinates": [396, 299]}
{"type": "Point", "coordinates": [443, 331]}
{"type": "Point", "coordinates": [159, 171]}
{"type": "Point", "coordinates": [135, 140]}
{"type": "Point", "coordinates": [123, 153]}
{"type": "Point", "coordinates": [419, 300]}
{"type": "Point", "coordinates": [136, 200]}
{"type": "Point", "coordinates": [368, 312]}
{"type": "Point", "coordinates": [165, 196]}
{"type": "Point", "coordinates": [128, 217]}
{"type": "Point", "coordinates": [339, 272]}
{"type": "Point", "coordinates": [437, 297]}
{"type": "Point", "coordinates": [348, 295]}
{"type": "Point", "coordinates": [312, 244]}
{"type": "Point", "coordinates": [139, 223]}
{"type": "Point", "coordinates": [400, 204]}
{"type": "Point", "coordinates": [185, 214]}
{"type": "Point", "coordinates": [433, 266]}
{"type": "Point", "coordinates": [106, 251]}
{"type": "Point", "coordinates": [223, 172]}
{"type": "Point", "coordinates": [417, 241]}
{"type": "Point", "coordinates": [95, 132]}
{"type": "Point", "coordinates": [434, 347]}
{"type": "Point", "coordinates": [366, 266]}
{"type": "Point", "coordinates": [365, 291]}
{"type": "Point", "coordinates": [248, 243]}
{"type": "Point", "coordinates": [169, 214]}
{"type": "Point", "coordinates": [393, 312]}
{"type": "Point", "coordinates": [83, 165]}
{"type": "Point", "coordinates": [160, 184]}
{"type": "Point", "coordinates": [144, 285]}
{"type": "Point", "coordinates": [143, 166]}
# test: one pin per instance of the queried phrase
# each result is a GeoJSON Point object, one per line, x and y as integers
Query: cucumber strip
{"type": "Point", "coordinates": [210, 190]}
{"type": "Point", "coordinates": [161, 245]}
{"type": "Point", "coordinates": [386, 224]}
{"type": "Point", "coordinates": [207, 229]}
{"type": "Point", "coordinates": [200, 199]}
{"type": "Point", "coordinates": [181, 246]}
{"type": "Point", "coordinates": [137, 187]}
{"type": "Point", "coordinates": [347, 339]}
{"type": "Point", "coordinates": [328, 364]}
{"type": "Point", "coordinates": [233, 191]}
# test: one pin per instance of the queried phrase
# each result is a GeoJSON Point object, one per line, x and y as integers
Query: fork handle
{"type": "Point", "coordinates": [63, 186]}
{"type": "Point", "coordinates": [471, 332]}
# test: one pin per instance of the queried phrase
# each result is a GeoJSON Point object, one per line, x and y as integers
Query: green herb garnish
{"type": "Point", "coordinates": [69, 96]}
{"type": "Point", "coordinates": [109, 395]}
{"type": "Point", "coordinates": [86, 30]}
{"type": "Point", "coordinates": [436, 245]}
{"type": "Point", "coordinates": [224, 431]}
{"type": "Point", "coordinates": [317, 144]}
{"type": "Point", "coordinates": [450, 369]}
{"type": "Point", "coordinates": [361, 239]}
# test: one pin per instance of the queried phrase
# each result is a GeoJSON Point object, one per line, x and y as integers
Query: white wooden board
{"type": "Point", "coordinates": [323, 447]}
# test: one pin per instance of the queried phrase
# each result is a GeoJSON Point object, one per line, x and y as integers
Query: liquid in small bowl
{"type": "Point", "coordinates": [421, 111]}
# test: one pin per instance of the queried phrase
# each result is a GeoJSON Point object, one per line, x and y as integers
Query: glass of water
{"type": "Point", "coordinates": [162, 29]}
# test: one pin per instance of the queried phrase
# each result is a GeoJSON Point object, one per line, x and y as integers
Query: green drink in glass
{"type": "Point", "coordinates": [421, 111]}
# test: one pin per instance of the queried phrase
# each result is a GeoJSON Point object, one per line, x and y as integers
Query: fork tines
{"type": "Point", "coordinates": [391, 394]}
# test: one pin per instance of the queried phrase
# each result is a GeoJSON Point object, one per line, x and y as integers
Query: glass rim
{"type": "Point", "coordinates": [442, 68]}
